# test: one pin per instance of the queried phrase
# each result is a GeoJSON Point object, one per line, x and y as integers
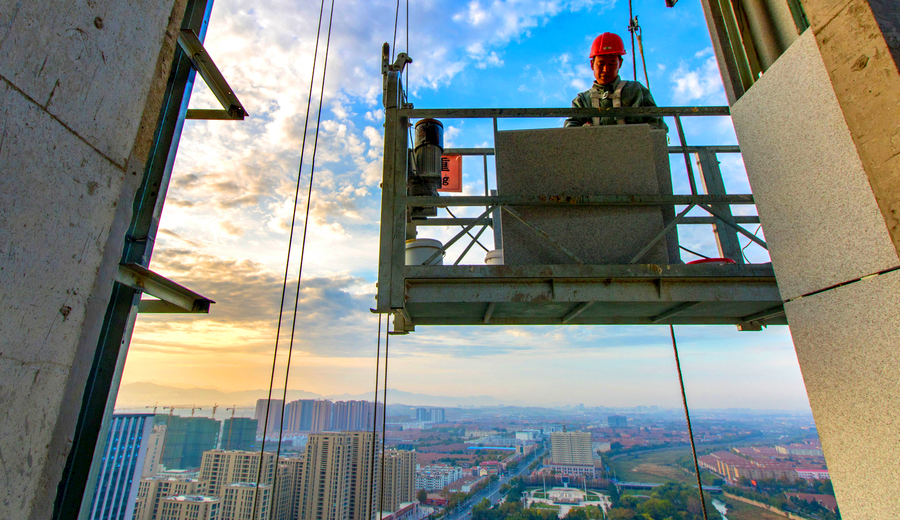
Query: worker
{"type": "Point", "coordinates": [611, 91]}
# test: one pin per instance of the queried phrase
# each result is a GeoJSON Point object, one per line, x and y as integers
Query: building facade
{"type": "Point", "coordinates": [152, 491]}
{"type": "Point", "coordinates": [121, 467]}
{"type": "Point", "coordinates": [190, 507]}
{"type": "Point", "coordinates": [186, 439]}
{"type": "Point", "coordinates": [398, 482]}
{"type": "Point", "coordinates": [239, 433]}
{"type": "Point", "coordinates": [334, 482]}
{"type": "Point", "coordinates": [271, 421]}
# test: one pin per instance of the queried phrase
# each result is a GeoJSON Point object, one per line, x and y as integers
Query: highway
{"type": "Point", "coordinates": [492, 492]}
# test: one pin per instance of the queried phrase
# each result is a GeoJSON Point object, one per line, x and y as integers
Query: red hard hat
{"type": "Point", "coordinates": [607, 43]}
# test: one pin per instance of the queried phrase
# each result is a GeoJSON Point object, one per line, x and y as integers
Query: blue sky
{"type": "Point", "coordinates": [224, 228]}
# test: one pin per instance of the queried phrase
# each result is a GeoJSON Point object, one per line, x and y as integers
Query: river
{"type": "Point", "coordinates": [720, 507]}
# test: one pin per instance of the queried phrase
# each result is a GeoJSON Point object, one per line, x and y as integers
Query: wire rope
{"type": "Point", "coordinates": [387, 340]}
{"type": "Point", "coordinates": [394, 41]}
{"type": "Point", "coordinates": [375, 423]}
{"type": "Point", "coordinates": [287, 262]}
{"type": "Point", "coordinates": [687, 416]}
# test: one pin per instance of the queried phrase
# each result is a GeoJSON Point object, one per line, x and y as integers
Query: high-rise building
{"type": "Point", "coordinates": [321, 417]}
{"type": "Point", "coordinates": [186, 439]}
{"type": "Point", "coordinates": [299, 415]}
{"type": "Point", "coordinates": [190, 507]}
{"type": "Point", "coordinates": [155, 442]}
{"type": "Point", "coordinates": [352, 416]}
{"type": "Point", "coordinates": [334, 479]}
{"type": "Point", "coordinates": [398, 480]}
{"type": "Point", "coordinates": [433, 415]}
{"type": "Point", "coordinates": [239, 499]}
{"type": "Point", "coordinates": [571, 448]}
{"type": "Point", "coordinates": [273, 424]}
{"type": "Point", "coordinates": [152, 491]}
{"type": "Point", "coordinates": [617, 421]}
{"type": "Point", "coordinates": [121, 467]}
{"type": "Point", "coordinates": [220, 468]}
{"type": "Point", "coordinates": [239, 433]}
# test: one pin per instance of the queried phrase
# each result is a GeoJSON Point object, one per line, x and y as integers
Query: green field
{"type": "Point", "coordinates": [656, 468]}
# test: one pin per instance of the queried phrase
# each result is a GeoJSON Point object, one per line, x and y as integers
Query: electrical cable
{"type": "Point", "coordinates": [287, 262]}
{"type": "Point", "coordinates": [687, 416]}
{"type": "Point", "coordinates": [748, 244]}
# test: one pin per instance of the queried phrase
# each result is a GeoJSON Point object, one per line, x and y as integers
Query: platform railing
{"type": "Point", "coordinates": [397, 227]}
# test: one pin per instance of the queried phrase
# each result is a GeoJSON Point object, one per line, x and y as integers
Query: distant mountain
{"type": "Point", "coordinates": [137, 395]}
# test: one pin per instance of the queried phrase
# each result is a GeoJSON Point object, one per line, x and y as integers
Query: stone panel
{"type": "Point", "coordinates": [822, 222]}
{"type": "Point", "coordinates": [846, 342]}
{"type": "Point", "coordinates": [608, 160]}
{"type": "Point", "coordinates": [86, 62]}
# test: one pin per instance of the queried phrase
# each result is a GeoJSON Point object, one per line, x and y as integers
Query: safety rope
{"type": "Point", "coordinates": [375, 422]}
{"type": "Point", "coordinates": [687, 416]}
{"type": "Point", "coordinates": [287, 261]}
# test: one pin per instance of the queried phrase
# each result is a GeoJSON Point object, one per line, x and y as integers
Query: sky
{"type": "Point", "coordinates": [225, 227]}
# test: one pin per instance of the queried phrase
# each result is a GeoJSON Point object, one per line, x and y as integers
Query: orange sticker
{"type": "Point", "coordinates": [451, 173]}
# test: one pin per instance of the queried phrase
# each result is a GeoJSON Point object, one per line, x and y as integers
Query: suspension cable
{"type": "Point", "coordinates": [687, 416]}
{"type": "Point", "coordinates": [640, 40]}
{"type": "Point", "coordinates": [287, 264]}
{"type": "Point", "coordinates": [394, 41]}
{"type": "Point", "coordinates": [375, 423]}
{"type": "Point", "coordinates": [387, 340]}
{"type": "Point", "coordinates": [631, 23]}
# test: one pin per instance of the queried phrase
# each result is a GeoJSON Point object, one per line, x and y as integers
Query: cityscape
{"type": "Point", "coordinates": [331, 460]}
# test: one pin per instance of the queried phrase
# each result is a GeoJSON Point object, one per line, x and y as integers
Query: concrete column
{"type": "Point", "coordinates": [835, 258]}
{"type": "Point", "coordinates": [81, 85]}
{"type": "Point", "coordinates": [859, 41]}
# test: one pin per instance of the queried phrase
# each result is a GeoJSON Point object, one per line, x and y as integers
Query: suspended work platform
{"type": "Point", "coordinates": [570, 267]}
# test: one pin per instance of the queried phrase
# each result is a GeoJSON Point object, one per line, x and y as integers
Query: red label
{"type": "Point", "coordinates": [451, 173]}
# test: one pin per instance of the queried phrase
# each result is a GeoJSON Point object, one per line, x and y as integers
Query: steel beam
{"type": "Point", "coordinates": [678, 309]}
{"type": "Point", "coordinates": [144, 280]}
{"type": "Point", "coordinates": [726, 236]}
{"type": "Point", "coordinates": [466, 113]}
{"type": "Point", "coordinates": [190, 42]}
{"type": "Point", "coordinates": [582, 200]}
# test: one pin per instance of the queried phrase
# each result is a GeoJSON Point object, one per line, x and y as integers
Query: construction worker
{"type": "Point", "coordinates": [611, 91]}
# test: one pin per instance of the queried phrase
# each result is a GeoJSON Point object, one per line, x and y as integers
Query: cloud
{"type": "Point", "coordinates": [700, 85]}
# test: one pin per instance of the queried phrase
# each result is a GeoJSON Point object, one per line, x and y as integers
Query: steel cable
{"type": "Point", "coordinates": [287, 264]}
{"type": "Point", "coordinates": [687, 416]}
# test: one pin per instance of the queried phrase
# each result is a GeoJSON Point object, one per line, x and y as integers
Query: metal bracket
{"type": "Point", "coordinates": [203, 63]}
{"type": "Point", "coordinates": [173, 297]}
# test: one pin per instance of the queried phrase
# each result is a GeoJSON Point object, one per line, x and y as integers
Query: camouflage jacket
{"type": "Point", "coordinates": [633, 94]}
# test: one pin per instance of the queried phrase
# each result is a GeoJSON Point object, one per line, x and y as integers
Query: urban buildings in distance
{"type": "Point", "coordinates": [316, 415]}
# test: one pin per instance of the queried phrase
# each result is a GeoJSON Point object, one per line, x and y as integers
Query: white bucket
{"type": "Point", "coordinates": [420, 249]}
{"type": "Point", "coordinates": [494, 257]}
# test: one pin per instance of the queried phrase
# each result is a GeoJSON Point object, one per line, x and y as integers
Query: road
{"type": "Point", "coordinates": [492, 493]}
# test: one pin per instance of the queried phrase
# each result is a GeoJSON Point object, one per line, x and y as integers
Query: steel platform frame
{"type": "Point", "coordinates": [739, 294]}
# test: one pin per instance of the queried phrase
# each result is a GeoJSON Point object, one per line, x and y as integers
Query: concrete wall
{"type": "Point", "coordinates": [81, 85]}
{"type": "Point", "coordinates": [834, 258]}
